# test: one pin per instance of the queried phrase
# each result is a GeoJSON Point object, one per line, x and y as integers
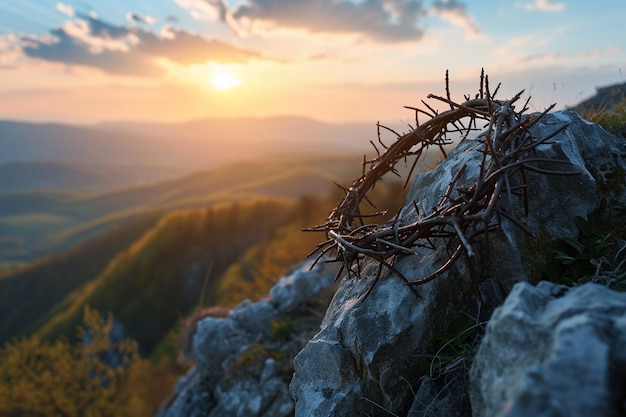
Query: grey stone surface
{"type": "Point", "coordinates": [547, 352]}
{"type": "Point", "coordinates": [292, 290]}
{"type": "Point", "coordinates": [444, 396]}
{"type": "Point", "coordinates": [363, 360]}
{"type": "Point", "coordinates": [600, 154]}
{"type": "Point", "coordinates": [242, 366]}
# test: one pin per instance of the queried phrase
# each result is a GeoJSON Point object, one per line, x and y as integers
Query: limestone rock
{"type": "Point", "coordinates": [364, 361]}
{"type": "Point", "coordinates": [243, 359]}
{"type": "Point", "coordinates": [553, 351]}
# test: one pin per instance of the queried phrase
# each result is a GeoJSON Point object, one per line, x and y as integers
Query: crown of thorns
{"type": "Point", "coordinates": [508, 150]}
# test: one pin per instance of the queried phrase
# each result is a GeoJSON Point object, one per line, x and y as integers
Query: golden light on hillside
{"type": "Point", "coordinates": [223, 80]}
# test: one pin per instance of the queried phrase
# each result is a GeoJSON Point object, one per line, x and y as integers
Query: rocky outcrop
{"type": "Point", "coordinates": [606, 99]}
{"type": "Point", "coordinates": [608, 105]}
{"type": "Point", "coordinates": [365, 360]}
{"type": "Point", "coordinates": [367, 357]}
{"type": "Point", "coordinates": [243, 358]}
{"type": "Point", "coordinates": [553, 351]}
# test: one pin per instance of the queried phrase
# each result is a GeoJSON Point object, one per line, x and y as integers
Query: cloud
{"type": "Point", "coordinates": [205, 9]}
{"type": "Point", "coordinates": [9, 50]}
{"type": "Point", "coordinates": [380, 20]}
{"type": "Point", "coordinates": [545, 5]}
{"type": "Point", "coordinates": [384, 21]}
{"type": "Point", "coordinates": [543, 57]}
{"type": "Point", "coordinates": [65, 9]}
{"type": "Point", "coordinates": [456, 14]}
{"type": "Point", "coordinates": [91, 42]}
{"type": "Point", "coordinates": [136, 18]}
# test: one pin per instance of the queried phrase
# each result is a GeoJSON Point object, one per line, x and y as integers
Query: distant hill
{"type": "Point", "coordinates": [20, 176]}
{"type": "Point", "coordinates": [607, 108]}
{"type": "Point", "coordinates": [36, 223]}
{"type": "Point", "coordinates": [188, 146]}
{"type": "Point", "coordinates": [606, 99]}
{"type": "Point", "coordinates": [22, 142]}
{"type": "Point", "coordinates": [250, 135]}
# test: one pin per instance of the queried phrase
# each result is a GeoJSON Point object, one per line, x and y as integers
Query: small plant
{"type": "Point", "coordinates": [590, 257]}
{"type": "Point", "coordinates": [283, 329]}
{"type": "Point", "coordinates": [457, 347]}
{"type": "Point", "coordinates": [613, 121]}
{"type": "Point", "coordinates": [588, 248]}
{"type": "Point", "coordinates": [251, 360]}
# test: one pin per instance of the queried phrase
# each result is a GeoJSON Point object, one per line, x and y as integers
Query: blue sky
{"type": "Point", "coordinates": [335, 60]}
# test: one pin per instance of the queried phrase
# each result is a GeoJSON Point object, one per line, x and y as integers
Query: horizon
{"type": "Point", "coordinates": [349, 61]}
{"type": "Point", "coordinates": [101, 123]}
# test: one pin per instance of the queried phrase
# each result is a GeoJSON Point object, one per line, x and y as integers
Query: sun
{"type": "Point", "coordinates": [224, 80]}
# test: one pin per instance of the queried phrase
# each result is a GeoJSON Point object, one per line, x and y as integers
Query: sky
{"type": "Point", "coordinates": [88, 61]}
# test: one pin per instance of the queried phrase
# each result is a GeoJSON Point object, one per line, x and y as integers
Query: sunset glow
{"type": "Point", "coordinates": [224, 80]}
{"type": "Point", "coordinates": [333, 60]}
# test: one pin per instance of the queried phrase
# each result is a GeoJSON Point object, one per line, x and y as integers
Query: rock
{"type": "Point", "coordinates": [552, 351]}
{"type": "Point", "coordinates": [364, 360]}
{"type": "Point", "coordinates": [243, 359]}
{"type": "Point", "coordinates": [606, 99]}
{"type": "Point", "coordinates": [445, 396]}
{"type": "Point", "coordinates": [292, 290]}
{"type": "Point", "coordinates": [603, 157]}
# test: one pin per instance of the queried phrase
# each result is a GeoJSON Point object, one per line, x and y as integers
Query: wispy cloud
{"type": "Point", "coordinates": [65, 9]}
{"type": "Point", "coordinates": [9, 50]}
{"type": "Point", "coordinates": [132, 50]}
{"type": "Point", "coordinates": [544, 5]}
{"type": "Point", "coordinates": [456, 14]}
{"type": "Point", "coordinates": [205, 9]}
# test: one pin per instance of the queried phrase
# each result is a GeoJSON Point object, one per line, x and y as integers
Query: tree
{"type": "Point", "coordinates": [60, 379]}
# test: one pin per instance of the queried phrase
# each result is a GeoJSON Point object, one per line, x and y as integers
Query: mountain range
{"type": "Point", "coordinates": [185, 146]}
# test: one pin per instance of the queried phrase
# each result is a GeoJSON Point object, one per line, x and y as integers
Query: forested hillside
{"type": "Point", "coordinates": [161, 276]}
{"type": "Point", "coordinates": [41, 222]}
{"type": "Point", "coordinates": [28, 294]}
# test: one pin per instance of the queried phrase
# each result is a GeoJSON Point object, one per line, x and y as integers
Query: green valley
{"type": "Point", "coordinates": [143, 252]}
{"type": "Point", "coordinates": [152, 255]}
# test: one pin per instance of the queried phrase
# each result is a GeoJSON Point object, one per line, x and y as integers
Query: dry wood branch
{"type": "Point", "coordinates": [464, 212]}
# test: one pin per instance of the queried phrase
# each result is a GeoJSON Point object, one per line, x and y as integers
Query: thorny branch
{"type": "Point", "coordinates": [507, 149]}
